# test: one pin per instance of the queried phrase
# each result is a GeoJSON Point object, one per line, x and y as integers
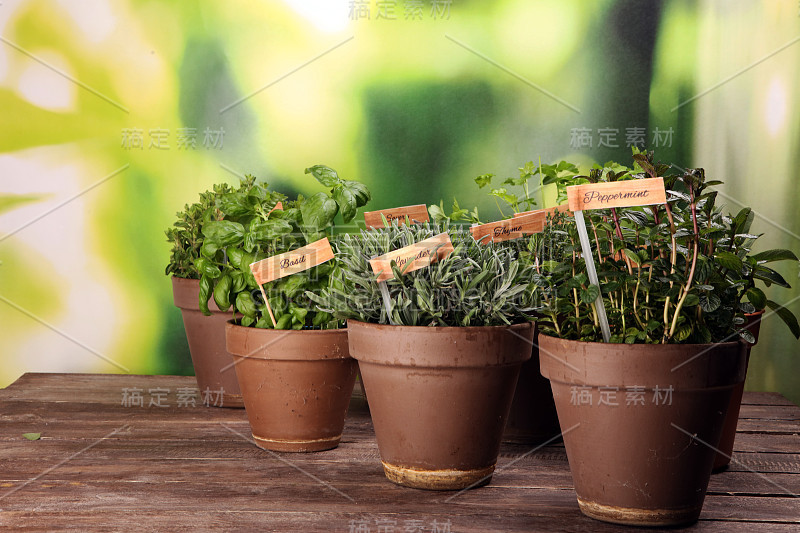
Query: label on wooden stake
{"type": "Point", "coordinates": [281, 265]}
{"type": "Point", "coordinates": [418, 255]}
{"type": "Point", "coordinates": [415, 213]}
{"type": "Point", "coordinates": [512, 228]}
{"type": "Point", "coordinates": [625, 193]}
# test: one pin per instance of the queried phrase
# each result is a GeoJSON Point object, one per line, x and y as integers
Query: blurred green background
{"type": "Point", "coordinates": [116, 113]}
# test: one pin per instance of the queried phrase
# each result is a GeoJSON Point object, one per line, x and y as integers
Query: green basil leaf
{"type": "Point", "coordinates": [359, 190]}
{"type": "Point", "coordinates": [223, 232]}
{"type": "Point", "coordinates": [270, 229]}
{"type": "Point", "coordinates": [346, 200]}
{"type": "Point", "coordinates": [209, 249]}
{"type": "Point", "coordinates": [284, 322]}
{"type": "Point", "coordinates": [325, 175]}
{"type": "Point", "coordinates": [206, 268]}
{"type": "Point", "coordinates": [318, 212]}
{"type": "Point", "coordinates": [245, 304]}
{"type": "Point", "coordinates": [235, 256]}
{"type": "Point", "coordinates": [222, 292]}
{"type": "Point", "coordinates": [234, 204]}
{"type": "Point", "coordinates": [205, 294]}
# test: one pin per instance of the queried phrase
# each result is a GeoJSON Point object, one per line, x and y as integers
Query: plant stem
{"type": "Point", "coordinates": [688, 287]}
{"type": "Point", "coordinates": [672, 259]}
{"type": "Point", "coordinates": [541, 183]}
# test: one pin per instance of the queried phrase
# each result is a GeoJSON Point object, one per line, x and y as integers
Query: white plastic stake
{"type": "Point", "coordinates": [599, 306]}
{"type": "Point", "coordinates": [386, 301]}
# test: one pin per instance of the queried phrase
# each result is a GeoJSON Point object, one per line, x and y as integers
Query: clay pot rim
{"type": "Point", "coordinates": [433, 329]}
{"type": "Point", "coordinates": [640, 344]}
{"type": "Point", "coordinates": [684, 366]}
{"type": "Point", "coordinates": [233, 322]}
{"type": "Point", "coordinates": [304, 345]}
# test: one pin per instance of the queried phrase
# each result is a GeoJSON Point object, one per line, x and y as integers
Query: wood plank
{"type": "Point", "coordinates": [759, 442]}
{"type": "Point", "coordinates": [180, 468]}
{"type": "Point", "coordinates": [770, 412]}
{"type": "Point", "coordinates": [377, 521]}
{"type": "Point", "coordinates": [764, 398]}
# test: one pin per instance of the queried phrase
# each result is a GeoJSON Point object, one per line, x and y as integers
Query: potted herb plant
{"type": "Point", "coordinates": [295, 373]}
{"type": "Point", "coordinates": [191, 265]}
{"type": "Point", "coordinates": [643, 413]}
{"type": "Point", "coordinates": [439, 366]}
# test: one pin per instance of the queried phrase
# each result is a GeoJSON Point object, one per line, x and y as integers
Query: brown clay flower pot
{"type": "Point", "coordinates": [212, 363]}
{"type": "Point", "coordinates": [439, 397]}
{"type": "Point", "coordinates": [533, 418]}
{"type": "Point", "coordinates": [296, 385]}
{"type": "Point", "coordinates": [640, 422]}
{"type": "Point", "coordinates": [722, 459]}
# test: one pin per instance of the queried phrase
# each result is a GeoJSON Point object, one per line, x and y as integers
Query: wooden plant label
{"type": "Point", "coordinates": [512, 228]}
{"type": "Point", "coordinates": [418, 255]}
{"type": "Point", "coordinates": [626, 193]}
{"type": "Point", "coordinates": [415, 213]}
{"type": "Point", "coordinates": [549, 211]}
{"type": "Point", "coordinates": [292, 262]}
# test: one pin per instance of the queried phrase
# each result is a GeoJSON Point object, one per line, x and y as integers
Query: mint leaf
{"type": "Point", "coordinates": [32, 436]}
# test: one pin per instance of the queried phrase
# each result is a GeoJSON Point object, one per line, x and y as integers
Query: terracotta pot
{"type": "Point", "coordinates": [439, 397]}
{"type": "Point", "coordinates": [647, 460]}
{"type": "Point", "coordinates": [723, 458]}
{"type": "Point", "coordinates": [296, 385]}
{"type": "Point", "coordinates": [213, 365]}
{"type": "Point", "coordinates": [533, 418]}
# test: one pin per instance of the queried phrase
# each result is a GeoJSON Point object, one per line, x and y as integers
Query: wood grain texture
{"type": "Point", "coordinates": [512, 228]}
{"type": "Point", "coordinates": [416, 214]}
{"type": "Point", "coordinates": [292, 262]}
{"type": "Point", "coordinates": [625, 193]}
{"type": "Point", "coordinates": [413, 257]}
{"type": "Point", "coordinates": [102, 465]}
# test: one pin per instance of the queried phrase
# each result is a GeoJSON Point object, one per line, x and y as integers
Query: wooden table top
{"type": "Point", "coordinates": [105, 463]}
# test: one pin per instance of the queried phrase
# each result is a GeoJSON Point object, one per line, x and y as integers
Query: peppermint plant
{"type": "Point", "coordinates": [683, 272]}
